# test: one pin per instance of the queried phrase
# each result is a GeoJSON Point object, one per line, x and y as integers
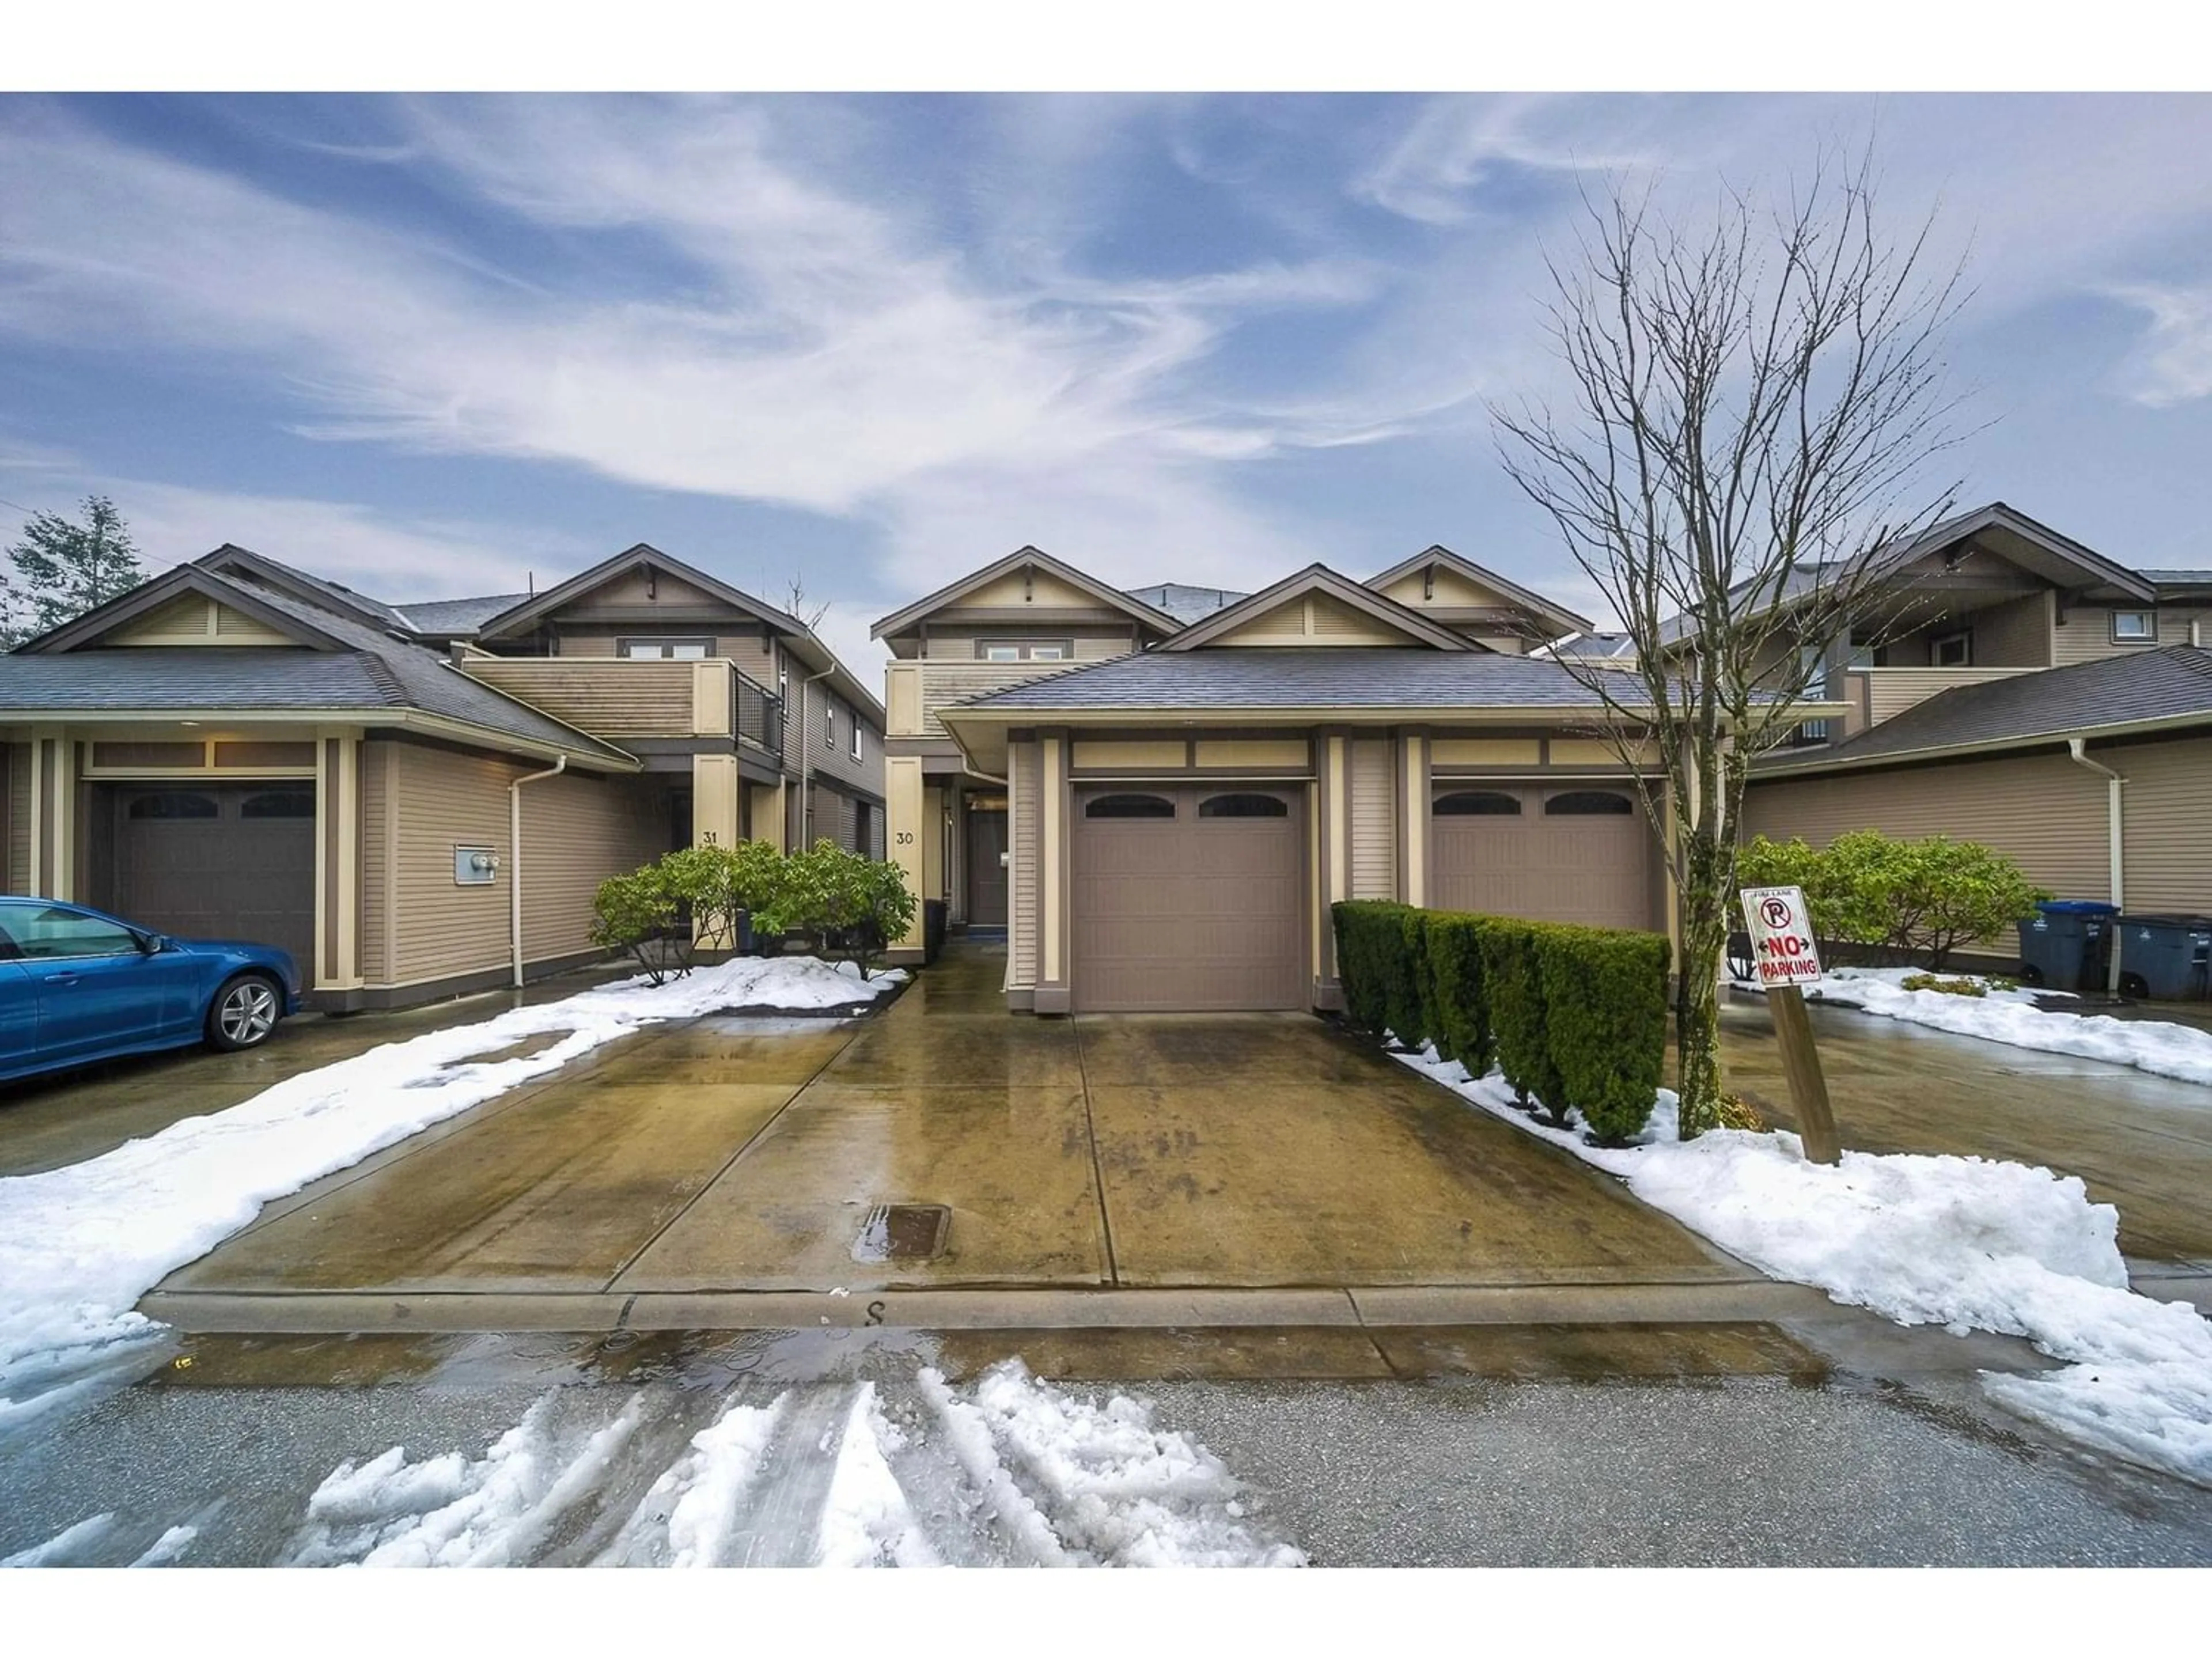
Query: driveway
{"type": "Point", "coordinates": [1134, 1154]}
{"type": "Point", "coordinates": [2142, 1142]}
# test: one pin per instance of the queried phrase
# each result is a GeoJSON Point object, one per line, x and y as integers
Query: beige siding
{"type": "Point", "coordinates": [1884, 692]}
{"type": "Point", "coordinates": [443, 799]}
{"type": "Point", "coordinates": [944, 683]}
{"type": "Point", "coordinates": [576, 832]}
{"type": "Point", "coordinates": [1027, 588]}
{"type": "Point", "coordinates": [1448, 589]}
{"type": "Point", "coordinates": [2015, 634]}
{"type": "Point", "coordinates": [1091, 646]}
{"type": "Point", "coordinates": [18, 846]}
{"type": "Point", "coordinates": [1373, 839]}
{"type": "Point", "coordinates": [1026, 798]}
{"type": "Point", "coordinates": [2166, 805]}
{"type": "Point", "coordinates": [607, 698]}
{"type": "Point", "coordinates": [743, 649]}
{"type": "Point", "coordinates": [195, 619]}
{"type": "Point", "coordinates": [2040, 810]}
{"type": "Point", "coordinates": [378, 845]}
{"type": "Point", "coordinates": [2088, 632]}
{"type": "Point", "coordinates": [1313, 619]}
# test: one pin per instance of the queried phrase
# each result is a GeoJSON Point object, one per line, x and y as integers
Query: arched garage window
{"type": "Point", "coordinates": [1130, 807]}
{"type": "Point", "coordinates": [174, 804]}
{"type": "Point", "coordinates": [1242, 806]}
{"type": "Point", "coordinates": [279, 803]}
{"type": "Point", "coordinates": [1477, 804]}
{"type": "Point", "coordinates": [1589, 803]}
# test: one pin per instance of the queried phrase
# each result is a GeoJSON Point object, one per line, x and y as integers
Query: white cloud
{"type": "Point", "coordinates": [2173, 364]}
{"type": "Point", "coordinates": [1456, 145]}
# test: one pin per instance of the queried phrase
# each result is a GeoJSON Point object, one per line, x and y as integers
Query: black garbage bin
{"type": "Point", "coordinates": [2065, 945]}
{"type": "Point", "coordinates": [933, 928]}
{"type": "Point", "coordinates": [2165, 957]}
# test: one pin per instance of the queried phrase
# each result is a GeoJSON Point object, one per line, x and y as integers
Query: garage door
{"type": "Point", "coordinates": [1559, 855]}
{"type": "Point", "coordinates": [1189, 898]}
{"type": "Point", "coordinates": [235, 862]}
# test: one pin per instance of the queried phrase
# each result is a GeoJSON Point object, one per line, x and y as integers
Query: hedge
{"type": "Point", "coordinates": [1573, 1017]}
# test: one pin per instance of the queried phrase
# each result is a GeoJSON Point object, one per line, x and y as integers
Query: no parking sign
{"type": "Point", "coordinates": [1781, 935]}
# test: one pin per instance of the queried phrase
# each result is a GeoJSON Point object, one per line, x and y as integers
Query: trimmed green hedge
{"type": "Point", "coordinates": [1573, 1017]}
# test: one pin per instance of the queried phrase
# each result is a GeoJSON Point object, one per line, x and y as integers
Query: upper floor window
{"type": "Point", "coordinates": [2135, 628]}
{"type": "Point", "coordinates": [1024, 650]}
{"type": "Point", "coordinates": [857, 729]}
{"type": "Point", "coordinates": [1951, 650]}
{"type": "Point", "coordinates": [828, 724]}
{"type": "Point", "coordinates": [664, 650]}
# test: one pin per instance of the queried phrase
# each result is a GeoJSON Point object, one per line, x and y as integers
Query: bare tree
{"type": "Point", "coordinates": [1754, 403]}
{"type": "Point", "coordinates": [795, 605]}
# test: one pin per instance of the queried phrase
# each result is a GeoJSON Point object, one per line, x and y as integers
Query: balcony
{"type": "Point", "coordinates": [916, 691]}
{"type": "Point", "coordinates": [1876, 693]}
{"type": "Point", "coordinates": [614, 698]}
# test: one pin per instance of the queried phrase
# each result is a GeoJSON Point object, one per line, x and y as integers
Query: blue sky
{"type": "Point", "coordinates": [427, 345]}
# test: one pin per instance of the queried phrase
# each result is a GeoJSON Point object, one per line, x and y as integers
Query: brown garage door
{"type": "Point", "coordinates": [1578, 854]}
{"type": "Point", "coordinates": [235, 862]}
{"type": "Point", "coordinates": [1189, 898]}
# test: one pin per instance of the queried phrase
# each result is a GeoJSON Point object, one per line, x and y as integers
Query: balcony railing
{"type": "Point", "coordinates": [618, 698]}
{"type": "Point", "coordinates": [917, 691]}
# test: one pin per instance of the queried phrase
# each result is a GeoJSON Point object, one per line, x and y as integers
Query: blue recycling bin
{"type": "Point", "coordinates": [2067, 943]}
{"type": "Point", "coordinates": [2165, 957]}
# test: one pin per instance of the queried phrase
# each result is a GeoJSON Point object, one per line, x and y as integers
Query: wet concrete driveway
{"type": "Point", "coordinates": [1131, 1153]}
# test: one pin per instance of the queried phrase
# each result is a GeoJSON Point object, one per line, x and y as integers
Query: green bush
{"type": "Point", "coordinates": [1949, 988]}
{"type": "Point", "coordinates": [636, 913]}
{"type": "Point", "coordinates": [852, 904]}
{"type": "Point", "coordinates": [1370, 948]}
{"type": "Point", "coordinates": [1459, 1011]}
{"type": "Point", "coordinates": [1605, 1008]}
{"type": "Point", "coordinates": [1513, 985]}
{"type": "Point", "coordinates": [1907, 898]}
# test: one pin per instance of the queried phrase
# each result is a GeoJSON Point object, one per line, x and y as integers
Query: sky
{"type": "Point", "coordinates": [438, 345]}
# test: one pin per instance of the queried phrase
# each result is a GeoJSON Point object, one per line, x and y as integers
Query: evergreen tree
{"type": "Point", "coordinates": [61, 568]}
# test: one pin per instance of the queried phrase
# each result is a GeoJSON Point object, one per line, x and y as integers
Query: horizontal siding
{"type": "Point", "coordinates": [1893, 690]}
{"type": "Point", "coordinates": [2042, 811]}
{"type": "Point", "coordinates": [576, 832]}
{"type": "Point", "coordinates": [441, 799]}
{"type": "Point", "coordinates": [1374, 840]}
{"type": "Point", "coordinates": [741, 649]}
{"type": "Point", "coordinates": [1025, 777]}
{"type": "Point", "coordinates": [951, 648]}
{"type": "Point", "coordinates": [376, 865]}
{"type": "Point", "coordinates": [944, 684]}
{"type": "Point", "coordinates": [2086, 635]}
{"type": "Point", "coordinates": [2165, 807]}
{"type": "Point", "coordinates": [606, 696]}
{"type": "Point", "coordinates": [18, 844]}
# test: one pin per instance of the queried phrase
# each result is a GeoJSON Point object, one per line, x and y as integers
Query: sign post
{"type": "Point", "coordinates": [1787, 961]}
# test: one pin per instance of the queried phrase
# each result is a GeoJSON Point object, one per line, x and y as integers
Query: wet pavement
{"type": "Point", "coordinates": [1128, 1155]}
{"type": "Point", "coordinates": [2143, 1143]}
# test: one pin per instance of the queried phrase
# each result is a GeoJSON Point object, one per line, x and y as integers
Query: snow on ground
{"type": "Point", "coordinates": [1965, 1242]}
{"type": "Point", "coordinates": [1008, 1471]}
{"type": "Point", "coordinates": [2011, 1016]}
{"type": "Point", "coordinates": [79, 1246]}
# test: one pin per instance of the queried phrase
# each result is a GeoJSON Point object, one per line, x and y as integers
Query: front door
{"type": "Point", "coordinates": [987, 869]}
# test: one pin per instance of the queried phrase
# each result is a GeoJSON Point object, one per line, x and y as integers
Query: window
{"type": "Point", "coordinates": [1244, 806]}
{"type": "Point", "coordinates": [665, 650]}
{"type": "Point", "coordinates": [1024, 650]}
{"type": "Point", "coordinates": [1130, 807]}
{"type": "Point", "coordinates": [1002, 653]}
{"type": "Point", "coordinates": [1477, 804]}
{"type": "Point", "coordinates": [2135, 628]}
{"type": "Point", "coordinates": [1951, 650]}
{"type": "Point", "coordinates": [279, 803]}
{"type": "Point", "coordinates": [174, 804]}
{"type": "Point", "coordinates": [1588, 804]}
{"type": "Point", "coordinates": [857, 729]}
{"type": "Point", "coordinates": [45, 931]}
{"type": "Point", "coordinates": [828, 724]}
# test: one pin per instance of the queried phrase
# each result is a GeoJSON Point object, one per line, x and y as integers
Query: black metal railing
{"type": "Point", "coordinates": [757, 715]}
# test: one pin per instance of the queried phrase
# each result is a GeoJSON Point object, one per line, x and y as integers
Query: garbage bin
{"type": "Point", "coordinates": [2165, 956]}
{"type": "Point", "coordinates": [933, 928]}
{"type": "Point", "coordinates": [2064, 945]}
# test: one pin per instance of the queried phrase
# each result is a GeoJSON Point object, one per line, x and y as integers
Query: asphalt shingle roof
{"type": "Point", "coordinates": [1185, 602]}
{"type": "Point", "coordinates": [1350, 677]}
{"type": "Point", "coordinates": [444, 616]}
{"type": "Point", "coordinates": [192, 677]}
{"type": "Point", "coordinates": [2048, 703]}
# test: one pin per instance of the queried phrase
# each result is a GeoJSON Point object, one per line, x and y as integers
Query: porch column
{"type": "Point", "coordinates": [337, 967]}
{"type": "Point", "coordinates": [1054, 923]}
{"type": "Point", "coordinates": [53, 813]}
{"type": "Point", "coordinates": [906, 836]}
{"type": "Point", "coordinates": [714, 785]}
{"type": "Point", "coordinates": [1332, 856]}
{"type": "Point", "coordinates": [1413, 819]}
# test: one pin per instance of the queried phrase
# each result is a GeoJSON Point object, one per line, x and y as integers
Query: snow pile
{"type": "Point", "coordinates": [1965, 1242]}
{"type": "Point", "coordinates": [79, 1246]}
{"type": "Point", "coordinates": [2011, 1016]}
{"type": "Point", "coordinates": [1118, 1493]}
{"type": "Point", "coordinates": [866, 1519]}
{"type": "Point", "coordinates": [686, 1517]}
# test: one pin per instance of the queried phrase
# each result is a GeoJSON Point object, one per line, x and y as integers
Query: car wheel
{"type": "Point", "coordinates": [244, 1012]}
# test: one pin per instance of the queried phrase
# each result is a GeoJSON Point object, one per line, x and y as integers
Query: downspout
{"type": "Point", "coordinates": [515, 857]}
{"type": "Point", "coordinates": [806, 764]}
{"type": "Point", "coordinates": [2076, 750]}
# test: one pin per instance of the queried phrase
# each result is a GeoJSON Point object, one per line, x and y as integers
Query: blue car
{"type": "Point", "coordinates": [77, 985]}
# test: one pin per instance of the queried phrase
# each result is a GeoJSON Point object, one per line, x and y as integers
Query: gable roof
{"type": "Point", "coordinates": [1320, 579]}
{"type": "Point", "coordinates": [230, 559]}
{"type": "Point", "coordinates": [1527, 598]}
{"type": "Point", "coordinates": [637, 557]}
{"type": "Point", "coordinates": [447, 618]}
{"type": "Point", "coordinates": [2167, 686]}
{"type": "Point", "coordinates": [312, 629]}
{"type": "Point", "coordinates": [1185, 602]}
{"type": "Point", "coordinates": [1113, 597]}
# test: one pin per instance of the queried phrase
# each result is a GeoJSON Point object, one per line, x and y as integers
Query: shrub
{"type": "Point", "coordinates": [854, 905]}
{"type": "Point", "coordinates": [1513, 987]}
{"type": "Point", "coordinates": [1949, 988]}
{"type": "Point", "coordinates": [1605, 1008]}
{"type": "Point", "coordinates": [1371, 962]}
{"type": "Point", "coordinates": [1909, 897]}
{"type": "Point", "coordinates": [636, 913]}
{"type": "Point", "coordinates": [1459, 1011]}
